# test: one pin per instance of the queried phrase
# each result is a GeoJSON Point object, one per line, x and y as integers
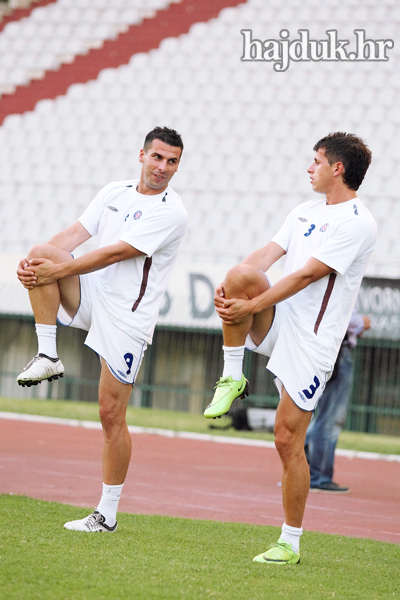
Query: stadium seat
{"type": "Point", "coordinates": [248, 130]}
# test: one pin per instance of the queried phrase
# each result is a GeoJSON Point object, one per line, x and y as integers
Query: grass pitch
{"type": "Point", "coordinates": [164, 558]}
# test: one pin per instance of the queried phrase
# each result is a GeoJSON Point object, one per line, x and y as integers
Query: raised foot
{"type": "Point", "coordinates": [41, 368]}
{"type": "Point", "coordinates": [226, 391]}
{"type": "Point", "coordinates": [30, 383]}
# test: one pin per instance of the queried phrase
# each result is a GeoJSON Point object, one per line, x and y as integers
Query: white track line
{"type": "Point", "coordinates": [203, 437]}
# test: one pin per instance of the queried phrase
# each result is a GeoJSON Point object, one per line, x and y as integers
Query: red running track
{"type": "Point", "coordinates": [194, 479]}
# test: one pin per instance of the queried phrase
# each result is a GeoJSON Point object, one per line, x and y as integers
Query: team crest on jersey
{"type": "Point", "coordinates": [113, 208]}
{"type": "Point", "coordinates": [302, 219]}
{"type": "Point", "coordinates": [137, 215]}
{"type": "Point", "coordinates": [324, 227]}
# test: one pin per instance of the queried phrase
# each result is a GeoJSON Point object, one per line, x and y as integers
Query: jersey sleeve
{"type": "Point", "coordinates": [283, 237]}
{"type": "Point", "coordinates": [91, 217]}
{"type": "Point", "coordinates": [350, 241]}
{"type": "Point", "coordinates": [157, 229]}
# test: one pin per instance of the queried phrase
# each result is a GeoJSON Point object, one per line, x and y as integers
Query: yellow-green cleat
{"type": "Point", "coordinates": [280, 553]}
{"type": "Point", "coordinates": [226, 391]}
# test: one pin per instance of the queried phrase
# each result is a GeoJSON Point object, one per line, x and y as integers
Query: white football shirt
{"type": "Point", "coordinates": [132, 290]}
{"type": "Point", "coordinates": [341, 236]}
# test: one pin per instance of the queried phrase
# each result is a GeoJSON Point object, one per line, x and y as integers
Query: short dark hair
{"type": "Point", "coordinates": [166, 135]}
{"type": "Point", "coordinates": [350, 150]}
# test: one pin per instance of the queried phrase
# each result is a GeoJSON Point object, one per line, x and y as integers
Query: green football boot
{"type": "Point", "coordinates": [226, 391]}
{"type": "Point", "coordinates": [280, 553]}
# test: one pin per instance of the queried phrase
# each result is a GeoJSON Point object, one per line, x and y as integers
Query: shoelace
{"type": "Point", "coordinates": [279, 544]}
{"type": "Point", "coordinates": [284, 545]}
{"type": "Point", "coordinates": [34, 359]}
{"type": "Point", "coordinates": [223, 382]}
{"type": "Point", "coordinates": [93, 520]}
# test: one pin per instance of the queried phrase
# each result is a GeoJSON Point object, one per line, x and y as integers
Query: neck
{"type": "Point", "coordinates": [343, 194]}
{"type": "Point", "coordinates": [148, 191]}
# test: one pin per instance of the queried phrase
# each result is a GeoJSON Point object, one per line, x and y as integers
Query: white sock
{"type": "Point", "coordinates": [291, 535]}
{"type": "Point", "coordinates": [233, 362]}
{"type": "Point", "coordinates": [108, 504]}
{"type": "Point", "coordinates": [47, 340]}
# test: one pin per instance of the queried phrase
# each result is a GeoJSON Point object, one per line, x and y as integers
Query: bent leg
{"type": "Point", "coordinates": [113, 402]}
{"type": "Point", "coordinates": [242, 282]}
{"type": "Point", "coordinates": [45, 299]}
{"type": "Point", "coordinates": [290, 432]}
{"type": "Point", "coordinates": [246, 282]}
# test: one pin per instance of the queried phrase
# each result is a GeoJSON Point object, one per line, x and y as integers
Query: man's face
{"type": "Point", "coordinates": [322, 173]}
{"type": "Point", "coordinates": [160, 163]}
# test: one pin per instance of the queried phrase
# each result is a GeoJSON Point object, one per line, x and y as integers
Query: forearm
{"type": "Point", "coordinates": [94, 261]}
{"type": "Point", "coordinates": [283, 289]}
{"type": "Point", "coordinates": [234, 311]}
{"type": "Point", "coordinates": [290, 285]}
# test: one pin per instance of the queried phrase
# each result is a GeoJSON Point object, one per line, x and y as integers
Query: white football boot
{"type": "Point", "coordinates": [40, 368]}
{"type": "Point", "coordinates": [92, 524]}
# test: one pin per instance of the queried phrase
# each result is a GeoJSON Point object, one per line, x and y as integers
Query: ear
{"type": "Point", "coordinates": [339, 169]}
{"type": "Point", "coordinates": [141, 155]}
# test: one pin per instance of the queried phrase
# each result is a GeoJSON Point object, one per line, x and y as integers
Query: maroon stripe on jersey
{"type": "Point", "coordinates": [325, 300]}
{"type": "Point", "coordinates": [146, 270]}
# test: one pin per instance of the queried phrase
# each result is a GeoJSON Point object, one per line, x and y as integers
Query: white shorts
{"type": "Point", "coordinates": [297, 366]}
{"type": "Point", "coordinates": [123, 353]}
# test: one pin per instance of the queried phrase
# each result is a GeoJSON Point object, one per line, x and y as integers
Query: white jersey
{"type": "Point", "coordinates": [131, 291]}
{"type": "Point", "coordinates": [341, 236]}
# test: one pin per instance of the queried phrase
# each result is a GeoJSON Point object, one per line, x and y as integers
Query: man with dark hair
{"type": "Point", "coordinates": [301, 320]}
{"type": "Point", "coordinates": [114, 293]}
{"type": "Point", "coordinates": [351, 151]}
{"type": "Point", "coordinates": [164, 134]}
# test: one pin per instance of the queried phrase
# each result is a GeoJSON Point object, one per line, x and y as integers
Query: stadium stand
{"type": "Point", "coordinates": [248, 130]}
{"type": "Point", "coordinates": [55, 32]}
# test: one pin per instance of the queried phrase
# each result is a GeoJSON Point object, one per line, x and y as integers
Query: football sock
{"type": "Point", "coordinates": [47, 340]}
{"type": "Point", "coordinates": [291, 535]}
{"type": "Point", "coordinates": [233, 362]}
{"type": "Point", "coordinates": [108, 504]}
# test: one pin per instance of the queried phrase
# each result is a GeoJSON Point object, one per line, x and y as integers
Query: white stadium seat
{"type": "Point", "coordinates": [248, 130]}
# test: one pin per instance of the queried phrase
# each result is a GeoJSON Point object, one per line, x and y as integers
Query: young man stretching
{"type": "Point", "coordinates": [301, 320]}
{"type": "Point", "coordinates": [114, 293]}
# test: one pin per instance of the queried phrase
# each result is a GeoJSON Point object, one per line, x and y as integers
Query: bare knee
{"type": "Point", "coordinates": [111, 417]}
{"type": "Point", "coordinates": [39, 251]}
{"type": "Point", "coordinates": [244, 281]}
{"type": "Point", "coordinates": [283, 443]}
{"type": "Point", "coordinates": [50, 252]}
{"type": "Point", "coordinates": [289, 445]}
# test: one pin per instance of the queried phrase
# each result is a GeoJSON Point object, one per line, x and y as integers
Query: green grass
{"type": "Point", "coordinates": [164, 558]}
{"type": "Point", "coordinates": [183, 421]}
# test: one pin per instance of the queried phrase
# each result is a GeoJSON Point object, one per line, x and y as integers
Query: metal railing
{"type": "Point", "coordinates": [181, 367]}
